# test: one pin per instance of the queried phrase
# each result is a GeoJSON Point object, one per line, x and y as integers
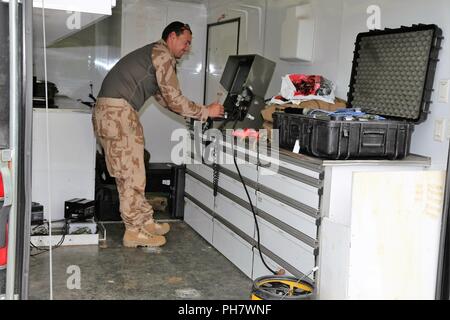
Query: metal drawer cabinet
{"type": "Point", "coordinates": [248, 170]}
{"type": "Point", "coordinates": [198, 219]}
{"type": "Point", "coordinates": [233, 247]}
{"type": "Point", "coordinates": [259, 269]}
{"type": "Point", "coordinates": [202, 170]}
{"type": "Point", "coordinates": [306, 223]}
{"type": "Point", "coordinates": [199, 191]}
{"type": "Point", "coordinates": [235, 187]}
{"type": "Point", "coordinates": [306, 191]}
{"type": "Point", "coordinates": [295, 252]}
{"type": "Point", "coordinates": [235, 214]}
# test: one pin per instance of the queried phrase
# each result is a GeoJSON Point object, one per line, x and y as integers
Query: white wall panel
{"type": "Point", "coordinates": [393, 15]}
{"type": "Point", "coordinates": [71, 168]}
{"type": "Point", "coordinates": [142, 23]}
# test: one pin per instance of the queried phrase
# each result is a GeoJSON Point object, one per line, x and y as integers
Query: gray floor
{"type": "Point", "coordinates": [187, 267]}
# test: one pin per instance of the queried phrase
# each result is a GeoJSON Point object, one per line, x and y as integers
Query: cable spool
{"type": "Point", "coordinates": [282, 288]}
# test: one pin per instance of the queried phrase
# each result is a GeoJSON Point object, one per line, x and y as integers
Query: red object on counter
{"type": "Point", "coordinates": [305, 85]}
{"type": "Point", "coordinates": [244, 133]}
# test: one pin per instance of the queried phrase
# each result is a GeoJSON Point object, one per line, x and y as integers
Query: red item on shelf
{"type": "Point", "coordinates": [244, 133]}
{"type": "Point", "coordinates": [305, 85]}
{"type": "Point", "coordinates": [4, 252]}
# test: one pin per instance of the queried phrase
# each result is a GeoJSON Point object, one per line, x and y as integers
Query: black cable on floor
{"type": "Point", "coordinates": [60, 242]}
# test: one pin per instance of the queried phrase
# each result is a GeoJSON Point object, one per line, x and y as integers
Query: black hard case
{"type": "Point", "coordinates": [170, 179]}
{"type": "Point", "coordinates": [392, 76]}
{"type": "Point", "coordinates": [166, 178]}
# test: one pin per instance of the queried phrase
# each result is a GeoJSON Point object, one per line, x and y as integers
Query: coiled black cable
{"type": "Point", "coordinates": [216, 174]}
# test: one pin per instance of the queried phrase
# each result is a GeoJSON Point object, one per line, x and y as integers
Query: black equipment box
{"type": "Point", "coordinates": [164, 178]}
{"type": "Point", "coordinates": [79, 209]}
{"type": "Point", "coordinates": [107, 204]}
{"type": "Point", "coordinates": [37, 214]}
{"type": "Point", "coordinates": [392, 77]}
{"type": "Point", "coordinates": [168, 178]}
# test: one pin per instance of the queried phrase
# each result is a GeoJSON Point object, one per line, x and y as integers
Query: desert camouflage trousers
{"type": "Point", "coordinates": [119, 131]}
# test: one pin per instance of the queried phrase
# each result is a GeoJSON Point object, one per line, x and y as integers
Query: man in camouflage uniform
{"type": "Point", "coordinates": [145, 72]}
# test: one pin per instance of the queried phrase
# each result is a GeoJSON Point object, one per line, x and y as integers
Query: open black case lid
{"type": "Point", "coordinates": [393, 71]}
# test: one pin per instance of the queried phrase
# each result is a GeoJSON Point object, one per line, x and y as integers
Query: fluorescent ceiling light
{"type": "Point", "coordinates": [87, 6]}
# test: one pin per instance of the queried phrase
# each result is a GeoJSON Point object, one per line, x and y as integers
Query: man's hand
{"type": "Point", "coordinates": [215, 110]}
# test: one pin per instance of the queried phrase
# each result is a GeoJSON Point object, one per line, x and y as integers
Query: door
{"type": "Point", "coordinates": [4, 76]}
{"type": "Point", "coordinates": [222, 41]}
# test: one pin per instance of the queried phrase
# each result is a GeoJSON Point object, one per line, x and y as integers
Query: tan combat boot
{"type": "Point", "coordinates": [134, 239]}
{"type": "Point", "coordinates": [156, 228]}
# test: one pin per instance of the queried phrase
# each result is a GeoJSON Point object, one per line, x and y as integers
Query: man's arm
{"type": "Point", "coordinates": [170, 94]}
{"type": "Point", "coordinates": [159, 98]}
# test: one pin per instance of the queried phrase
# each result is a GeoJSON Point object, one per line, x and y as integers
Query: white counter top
{"type": "Point", "coordinates": [410, 160]}
{"type": "Point", "coordinates": [66, 104]}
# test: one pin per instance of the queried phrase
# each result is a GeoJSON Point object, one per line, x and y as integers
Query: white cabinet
{"type": "Point", "coordinates": [297, 36]}
{"type": "Point", "coordinates": [198, 190]}
{"type": "Point", "coordinates": [198, 219]}
{"type": "Point", "coordinates": [202, 170]}
{"type": "Point", "coordinates": [309, 216]}
{"type": "Point", "coordinates": [234, 213]}
{"type": "Point", "coordinates": [290, 187]}
{"type": "Point", "coordinates": [292, 250]}
{"type": "Point", "coordinates": [235, 187]}
{"type": "Point", "coordinates": [292, 216]}
{"type": "Point", "coordinates": [233, 247]}
{"type": "Point", "coordinates": [287, 209]}
{"type": "Point", "coordinates": [382, 243]}
{"type": "Point", "coordinates": [259, 269]}
{"type": "Point", "coordinates": [70, 170]}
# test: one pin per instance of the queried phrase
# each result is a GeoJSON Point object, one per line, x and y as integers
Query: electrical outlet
{"type": "Point", "coordinates": [444, 87]}
{"type": "Point", "coordinates": [6, 155]}
{"type": "Point", "coordinates": [439, 130]}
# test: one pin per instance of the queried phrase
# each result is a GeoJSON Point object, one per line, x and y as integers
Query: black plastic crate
{"type": "Point", "coordinates": [392, 76]}
{"type": "Point", "coordinates": [107, 204]}
{"type": "Point", "coordinates": [344, 139]}
{"type": "Point", "coordinates": [37, 214]}
{"type": "Point", "coordinates": [168, 178]}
